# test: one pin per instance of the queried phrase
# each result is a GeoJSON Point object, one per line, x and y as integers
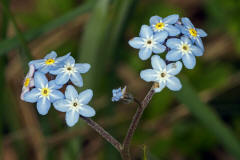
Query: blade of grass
{"type": "Point", "coordinates": [209, 118]}
{"type": "Point", "coordinates": [12, 43]}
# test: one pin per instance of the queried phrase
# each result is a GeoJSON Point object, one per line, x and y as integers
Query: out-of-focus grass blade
{"type": "Point", "coordinates": [207, 116]}
{"type": "Point", "coordinates": [12, 43]}
{"type": "Point", "coordinates": [144, 152]}
{"type": "Point", "coordinates": [93, 37]}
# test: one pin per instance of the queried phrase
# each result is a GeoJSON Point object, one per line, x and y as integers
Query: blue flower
{"type": "Point", "coordinates": [28, 81]}
{"type": "Point", "coordinates": [162, 74]}
{"type": "Point", "coordinates": [118, 94]}
{"type": "Point", "coordinates": [158, 24]}
{"type": "Point", "coordinates": [44, 94]}
{"type": "Point", "coordinates": [183, 49]}
{"type": "Point", "coordinates": [148, 42]}
{"type": "Point", "coordinates": [49, 62]}
{"type": "Point", "coordinates": [71, 71]}
{"type": "Point", "coordinates": [193, 33]}
{"type": "Point", "coordinates": [75, 104]}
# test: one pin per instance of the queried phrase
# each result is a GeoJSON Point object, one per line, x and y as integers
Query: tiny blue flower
{"type": "Point", "coordinates": [75, 104]}
{"type": "Point", "coordinates": [71, 71]}
{"type": "Point", "coordinates": [148, 42]}
{"type": "Point", "coordinates": [193, 33]}
{"type": "Point", "coordinates": [183, 49]}
{"type": "Point", "coordinates": [118, 94]}
{"type": "Point", "coordinates": [44, 94]}
{"type": "Point", "coordinates": [49, 62]}
{"type": "Point", "coordinates": [162, 74]}
{"type": "Point", "coordinates": [28, 81]}
{"type": "Point", "coordinates": [159, 24]}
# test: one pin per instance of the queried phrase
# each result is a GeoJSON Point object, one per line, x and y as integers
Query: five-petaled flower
{"type": "Point", "coordinates": [149, 42]}
{"type": "Point", "coordinates": [49, 62]}
{"type": "Point", "coordinates": [44, 93]}
{"type": "Point", "coordinates": [28, 81]}
{"type": "Point", "coordinates": [193, 33]}
{"type": "Point", "coordinates": [75, 104]}
{"type": "Point", "coordinates": [162, 74]}
{"type": "Point", "coordinates": [118, 94]}
{"type": "Point", "coordinates": [183, 49]}
{"type": "Point", "coordinates": [71, 71]}
{"type": "Point", "coordinates": [160, 24]}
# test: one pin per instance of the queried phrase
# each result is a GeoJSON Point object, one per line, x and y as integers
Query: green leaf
{"type": "Point", "coordinates": [208, 117]}
{"type": "Point", "coordinates": [12, 43]}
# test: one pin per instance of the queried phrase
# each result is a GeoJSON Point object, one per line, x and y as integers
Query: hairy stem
{"type": "Point", "coordinates": [136, 118]}
{"type": "Point", "coordinates": [103, 133]}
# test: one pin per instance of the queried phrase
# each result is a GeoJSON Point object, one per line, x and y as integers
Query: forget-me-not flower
{"type": "Point", "coordinates": [160, 24]}
{"type": "Point", "coordinates": [193, 33]}
{"type": "Point", "coordinates": [118, 94]}
{"type": "Point", "coordinates": [162, 74]}
{"type": "Point", "coordinates": [148, 42]}
{"type": "Point", "coordinates": [49, 62]}
{"type": "Point", "coordinates": [44, 93]}
{"type": "Point", "coordinates": [71, 71]}
{"type": "Point", "coordinates": [183, 49]}
{"type": "Point", "coordinates": [75, 104]}
{"type": "Point", "coordinates": [28, 81]}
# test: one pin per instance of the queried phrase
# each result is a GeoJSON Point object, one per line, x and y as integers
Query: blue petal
{"type": "Point", "coordinates": [62, 105]}
{"type": "Point", "coordinates": [199, 43]}
{"type": "Point", "coordinates": [44, 69]}
{"type": "Point", "coordinates": [174, 84]}
{"type": "Point", "coordinates": [174, 55]}
{"type": "Point", "coordinates": [173, 43]}
{"type": "Point", "coordinates": [155, 19]}
{"type": "Point", "coordinates": [85, 96]}
{"type": "Point", "coordinates": [174, 68]}
{"type": "Point", "coordinates": [37, 63]}
{"type": "Point", "coordinates": [158, 48]}
{"type": "Point", "coordinates": [76, 79]}
{"type": "Point", "coordinates": [136, 42]}
{"type": "Point", "coordinates": [52, 84]}
{"type": "Point", "coordinates": [70, 60]}
{"type": "Point", "coordinates": [63, 58]}
{"type": "Point", "coordinates": [185, 39]}
{"type": "Point", "coordinates": [62, 78]}
{"type": "Point", "coordinates": [160, 37]}
{"type": "Point", "coordinates": [172, 31]}
{"type": "Point", "coordinates": [71, 92]}
{"type": "Point", "coordinates": [56, 71]}
{"type": "Point", "coordinates": [43, 106]}
{"type": "Point", "coordinates": [158, 63]}
{"type": "Point", "coordinates": [186, 21]}
{"type": "Point", "coordinates": [82, 67]}
{"type": "Point", "coordinates": [86, 111]}
{"type": "Point", "coordinates": [146, 31]}
{"type": "Point", "coordinates": [56, 95]}
{"type": "Point", "coordinates": [31, 96]}
{"type": "Point", "coordinates": [201, 32]}
{"type": "Point", "coordinates": [196, 51]}
{"type": "Point", "coordinates": [161, 86]}
{"type": "Point", "coordinates": [72, 117]}
{"type": "Point", "coordinates": [148, 75]}
{"type": "Point", "coordinates": [52, 54]}
{"type": "Point", "coordinates": [171, 19]}
{"type": "Point", "coordinates": [40, 80]}
{"type": "Point", "coordinates": [189, 61]}
{"type": "Point", "coordinates": [145, 53]}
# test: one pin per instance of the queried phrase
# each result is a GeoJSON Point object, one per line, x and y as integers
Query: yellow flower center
{"type": "Point", "coordinates": [27, 81]}
{"type": "Point", "coordinates": [185, 47]}
{"type": "Point", "coordinates": [160, 25]}
{"type": "Point", "coordinates": [49, 61]}
{"type": "Point", "coordinates": [193, 32]}
{"type": "Point", "coordinates": [45, 91]}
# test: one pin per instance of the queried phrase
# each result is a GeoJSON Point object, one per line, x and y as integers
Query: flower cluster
{"type": "Point", "coordinates": [49, 77]}
{"type": "Point", "coordinates": [178, 38]}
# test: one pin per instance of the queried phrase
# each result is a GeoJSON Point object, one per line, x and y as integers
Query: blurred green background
{"type": "Point", "coordinates": [201, 122]}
